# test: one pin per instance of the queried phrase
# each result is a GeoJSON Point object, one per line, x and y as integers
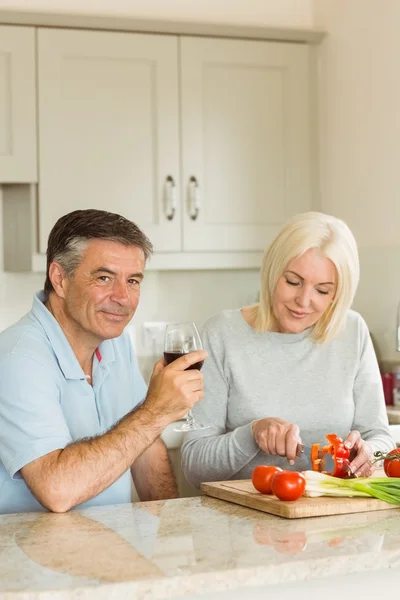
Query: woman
{"type": "Point", "coordinates": [293, 368]}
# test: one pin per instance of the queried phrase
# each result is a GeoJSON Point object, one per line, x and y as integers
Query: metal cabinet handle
{"type": "Point", "coordinates": [193, 198]}
{"type": "Point", "coordinates": [170, 198]}
{"type": "Point", "coordinates": [398, 329]}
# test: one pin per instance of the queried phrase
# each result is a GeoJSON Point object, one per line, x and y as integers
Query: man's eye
{"type": "Point", "coordinates": [104, 278]}
{"type": "Point", "coordinates": [134, 281]}
{"type": "Point", "coordinates": [292, 282]}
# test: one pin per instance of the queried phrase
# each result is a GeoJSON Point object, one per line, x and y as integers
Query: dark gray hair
{"type": "Point", "coordinates": [71, 234]}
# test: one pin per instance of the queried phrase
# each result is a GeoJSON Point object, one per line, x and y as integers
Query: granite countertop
{"type": "Point", "coordinates": [174, 548]}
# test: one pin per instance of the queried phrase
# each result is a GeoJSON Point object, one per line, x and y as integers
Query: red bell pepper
{"type": "Point", "coordinates": [339, 453]}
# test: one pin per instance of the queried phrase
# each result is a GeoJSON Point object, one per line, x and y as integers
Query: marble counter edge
{"type": "Point", "coordinates": [213, 581]}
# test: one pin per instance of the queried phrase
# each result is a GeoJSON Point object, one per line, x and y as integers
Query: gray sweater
{"type": "Point", "coordinates": [324, 388]}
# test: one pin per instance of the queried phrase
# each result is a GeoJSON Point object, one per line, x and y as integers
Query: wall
{"type": "Point", "coordinates": [166, 296]}
{"type": "Point", "coordinates": [359, 98]}
{"type": "Point", "coordinates": [290, 13]}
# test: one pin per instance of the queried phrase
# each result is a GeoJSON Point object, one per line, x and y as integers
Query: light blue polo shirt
{"type": "Point", "coordinates": [46, 402]}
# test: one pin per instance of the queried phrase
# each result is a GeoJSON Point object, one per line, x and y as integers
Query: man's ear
{"type": "Point", "coordinates": [58, 278]}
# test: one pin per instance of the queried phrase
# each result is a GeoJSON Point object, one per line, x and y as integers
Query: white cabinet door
{"type": "Point", "coordinates": [245, 141]}
{"type": "Point", "coordinates": [108, 128]}
{"type": "Point", "coordinates": [17, 105]}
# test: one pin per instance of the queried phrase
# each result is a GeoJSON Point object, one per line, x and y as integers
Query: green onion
{"type": "Point", "coordinates": [383, 488]}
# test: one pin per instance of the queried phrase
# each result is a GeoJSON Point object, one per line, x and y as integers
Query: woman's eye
{"type": "Point", "coordinates": [322, 292]}
{"type": "Point", "coordinates": [292, 282]}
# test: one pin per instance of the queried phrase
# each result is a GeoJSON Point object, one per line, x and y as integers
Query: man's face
{"type": "Point", "coordinates": [102, 295]}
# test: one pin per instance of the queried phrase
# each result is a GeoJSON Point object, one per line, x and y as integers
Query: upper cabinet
{"type": "Point", "coordinates": [245, 140]}
{"type": "Point", "coordinates": [204, 143]}
{"type": "Point", "coordinates": [17, 105]}
{"type": "Point", "coordinates": [108, 129]}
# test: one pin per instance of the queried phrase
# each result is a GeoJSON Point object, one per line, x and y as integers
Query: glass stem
{"type": "Point", "coordinates": [190, 418]}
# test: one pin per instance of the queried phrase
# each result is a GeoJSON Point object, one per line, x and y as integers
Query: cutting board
{"type": "Point", "coordinates": [242, 492]}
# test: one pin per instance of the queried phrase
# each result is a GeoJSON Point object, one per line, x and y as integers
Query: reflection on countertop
{"type": "Point", "coordinates": [171, 548]}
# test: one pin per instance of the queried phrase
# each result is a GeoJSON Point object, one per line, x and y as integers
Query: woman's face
{"type": "Point", "coordinates": [304, 291]}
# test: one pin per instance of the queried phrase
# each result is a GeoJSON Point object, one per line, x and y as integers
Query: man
{"type": "Point", "coordinates": [75, 417]}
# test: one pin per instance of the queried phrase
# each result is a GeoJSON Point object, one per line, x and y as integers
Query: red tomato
{"type": "Point", "coordinates": [392, 465]}
{"type": "Point", "coordinates": [288, 485]}
{"type": "Point", "coordinates": [262, 478]}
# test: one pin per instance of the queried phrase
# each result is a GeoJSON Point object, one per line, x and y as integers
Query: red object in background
{"type": "Point", "coordinates": [388, 385]}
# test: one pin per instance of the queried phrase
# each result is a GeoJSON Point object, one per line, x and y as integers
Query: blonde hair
{"type": "Point", "coordinates": [336, 242]}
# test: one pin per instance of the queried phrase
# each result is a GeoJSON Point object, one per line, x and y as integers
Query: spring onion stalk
{"type": "Point", "coordinates": [383, 488]}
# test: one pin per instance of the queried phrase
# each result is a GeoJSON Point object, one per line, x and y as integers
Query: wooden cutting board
{"type": "Point", "coordinates": [242, 492]}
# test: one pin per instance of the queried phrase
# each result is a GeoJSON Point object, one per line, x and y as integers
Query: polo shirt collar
{"type": "Point", "coordinates": [66, 358]}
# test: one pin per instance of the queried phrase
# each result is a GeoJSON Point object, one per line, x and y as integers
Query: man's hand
{"type": "Point", "coordinates": [173, 390]}
{"type": "Point", "coordinates": [278, 437]}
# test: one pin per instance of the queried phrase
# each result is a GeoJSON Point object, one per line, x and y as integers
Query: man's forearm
{"type": "Point", "coordinates": [153, 475]}
{"type": "Point", "coordinates": [68, 477]}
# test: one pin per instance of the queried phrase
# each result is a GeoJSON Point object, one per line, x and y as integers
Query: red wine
{"type": "Point", "coordinates": [169, 357]}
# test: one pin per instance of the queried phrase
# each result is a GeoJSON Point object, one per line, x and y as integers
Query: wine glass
{"type": "Point", "coordinates": [180, 339]}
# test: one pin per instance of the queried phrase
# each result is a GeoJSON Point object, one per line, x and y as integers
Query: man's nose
{"type": "Point", "coordinates": [120, 293]}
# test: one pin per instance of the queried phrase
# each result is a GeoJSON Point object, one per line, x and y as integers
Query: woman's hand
{"type": "Point", "coordinates": [361, 453]}
{"type": "Point", "coordinates": [278, 437]}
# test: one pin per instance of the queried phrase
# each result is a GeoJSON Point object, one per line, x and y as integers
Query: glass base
{"type": "Point", "coordinates": [191, 426]}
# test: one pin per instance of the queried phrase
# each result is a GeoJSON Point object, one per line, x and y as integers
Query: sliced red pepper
{"type": "Point", "coordinates": [315, 459]}
{"type": "Point", "coordinates": [339, 453]}
{"type": "Point", "coordinates": [333, 438]}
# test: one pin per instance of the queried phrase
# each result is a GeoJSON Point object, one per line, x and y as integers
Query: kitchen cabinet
{"type": "Point", "coordinates": [245, 140]}
{"type": "Point", "coordinates": [108, 128]}
{"type": "Point", "coordinates": [204, 143]}
{"type": "Point", "coordinates": [17, 105]}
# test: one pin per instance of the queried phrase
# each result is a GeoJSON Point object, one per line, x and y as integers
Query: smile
{"type": "Point", "coordinates": [115, 316]}
{"type": "Point", "coordinates": [298, 315]}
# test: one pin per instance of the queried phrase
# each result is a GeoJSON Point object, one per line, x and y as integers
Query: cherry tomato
{"type": "Point", "coordinates": [392, 465]}
{"type": "Point", "coordinates": [262, 478]}
{"type": "Point", "coordinates": [288, 485]}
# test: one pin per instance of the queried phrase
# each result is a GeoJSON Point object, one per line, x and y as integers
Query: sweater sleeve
{"type": "Point", "coordinates": [215, 454]}
{"type": "Point", "coordinates": [370, 417]}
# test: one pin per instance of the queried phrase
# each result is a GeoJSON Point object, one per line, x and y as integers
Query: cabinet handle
{"type": "Point", "coordinates": [170, 198]}
{"type": "Point", "coordinates": [398, 329]}
{"type": "Point", "coordinates": [193, 198]}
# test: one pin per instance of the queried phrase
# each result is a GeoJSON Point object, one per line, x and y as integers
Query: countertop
{"type": "Point", "coordinates": [176, 548]}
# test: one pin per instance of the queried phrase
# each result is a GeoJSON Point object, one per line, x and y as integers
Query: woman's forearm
{"type": "Point", "coordinates": [218, 457]}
